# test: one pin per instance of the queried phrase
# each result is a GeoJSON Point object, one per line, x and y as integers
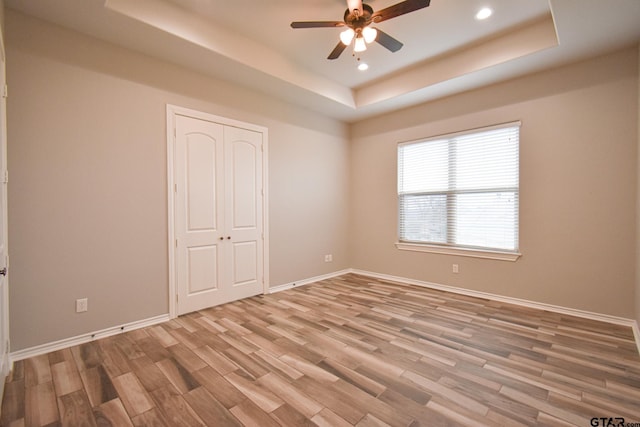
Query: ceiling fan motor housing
{"type": "Point", "coordinates": [357, 19]}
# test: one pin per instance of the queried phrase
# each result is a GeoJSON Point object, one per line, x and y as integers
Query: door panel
{"type": "Point", "coordinates": [243, 179]}
{"type": "Point", "coordinates": [199, 219]}
{"type": "Point", "coordinates": [203, 269]}
{"type": "Point", "coordinates": [201, 181]}
{"type": "Point", "coordinates": [245, 266]}
{"type": "Point", "coordinates": [244, 185]}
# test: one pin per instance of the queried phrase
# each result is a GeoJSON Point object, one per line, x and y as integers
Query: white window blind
{"type": "Point", "coordinates": [461, 190]}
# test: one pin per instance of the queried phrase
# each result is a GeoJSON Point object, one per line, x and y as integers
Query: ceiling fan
{"type": "Point", "coordinates": [358, 19]}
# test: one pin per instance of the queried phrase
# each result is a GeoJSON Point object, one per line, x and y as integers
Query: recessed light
{"type": "Point", "coordinates": [363, 66]}
{"type": "Point", "coordinates": [484, 13]}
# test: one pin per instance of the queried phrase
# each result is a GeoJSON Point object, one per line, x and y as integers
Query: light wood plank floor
{"type": "Point", "coordinates": [346, 351]}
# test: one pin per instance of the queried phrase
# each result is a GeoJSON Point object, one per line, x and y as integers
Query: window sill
{"type": "Point", "coordinates": [475, 253]}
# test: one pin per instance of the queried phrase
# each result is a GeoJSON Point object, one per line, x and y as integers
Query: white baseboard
{"type": "Point", "coordinates": [81, 339]}
{"type": "Point", "coordinates": [633, 324]}
{"type": "Point", "coordinates": [304, 282]}
{"type": "Point", "coordinates": [68, 342]}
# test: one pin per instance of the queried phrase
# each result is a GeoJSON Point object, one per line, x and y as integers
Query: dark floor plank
{"type": "Point", "coordinates": [13, 402]}
{"type": "Point", "coordinates": [75, 410]}
{"type": "Point", "coordinates": [152, 417]}
{"type": "Point", "coordinates": [175, 410]}
{"type": "Point", "coordinates": [209, 409]}
{"type": "Point", "coordinates": [98, 385]}
{"type": "Point", "coordinates": [178, 375]}
{"type": "Point", "coordinates": [250, 414]}
{"type": "Point", "coordinates": [112, 414]}
{"type": "Point", "coordinates": [41, 406]}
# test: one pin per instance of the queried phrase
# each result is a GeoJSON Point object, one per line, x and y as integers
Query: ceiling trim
{"type": "Point", "coordinates": [193, 29]}
{"type": "Point", "coordinates": [527, 39]}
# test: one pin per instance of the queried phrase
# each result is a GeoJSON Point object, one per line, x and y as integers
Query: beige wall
{"type": "Point", "coordinates": [577, 194]}
{"type": "Point", "coordinates": [88, 204]}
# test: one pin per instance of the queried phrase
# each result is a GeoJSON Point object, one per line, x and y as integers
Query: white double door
{"type": "Point", "coordinates": [218, 213]}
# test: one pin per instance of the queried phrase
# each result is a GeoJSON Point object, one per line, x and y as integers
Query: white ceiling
{"type": "Point", "coordinates": [445, 51]}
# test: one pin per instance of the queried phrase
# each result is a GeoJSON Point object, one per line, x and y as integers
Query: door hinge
{"type": "Point", "coordinates": [5, 91]}
{"type": "Point", "coordinates": [175, 188]}
{"type": "Point", "coordinates": [176, 243]}
{"type": "Point", "coordinates": [5, 178]}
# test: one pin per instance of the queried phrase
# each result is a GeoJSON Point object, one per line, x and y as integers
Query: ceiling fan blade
{"type": "Point", "coordinates": [337, 51]}
{"type": "Point", "coordinates": [317, 24]}
{"type": "Point", "coordinates": [401, 8]}
{"type": "Point", "coordinates": [387, 41]}
{"type": "Point", "coordinates": [354, 4]}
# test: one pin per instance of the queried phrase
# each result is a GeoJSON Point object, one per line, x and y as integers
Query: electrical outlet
{"type": "Point", "coordinates": [328, 258]}
{"type": "Point", "coordinates": [82, 305]}
{"type": "Point", "coordinates": [454, 268]}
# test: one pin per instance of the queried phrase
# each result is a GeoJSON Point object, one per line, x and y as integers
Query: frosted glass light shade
{"type": "Point", "coordinates": [369, 34]}
{"type": "Point", "coordinates": [360, 45]}
{"type": "Point", "coordinates": [346, 36]}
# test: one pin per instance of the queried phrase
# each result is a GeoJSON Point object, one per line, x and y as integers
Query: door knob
{"type": "Point", "coordinates": [3, 272]}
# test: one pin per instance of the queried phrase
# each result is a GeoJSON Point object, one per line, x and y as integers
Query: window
{"type": "Point", "coordinates": [460, 191]}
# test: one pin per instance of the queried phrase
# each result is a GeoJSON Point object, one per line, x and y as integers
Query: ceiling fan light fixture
{"type": "Point", "coordinates": [360, 45]}
{"type": "Point", "coordinates": [355, 25]}
{"type": "Point", "coordinates": [346, 36]}
{"type": "Point", "coordinates": [369, 34]}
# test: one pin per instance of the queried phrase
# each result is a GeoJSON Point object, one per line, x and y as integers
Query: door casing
{"type": "Point", "coordinates": [5, 363]}
{"type": "Point", "coordinates": [172, 112]}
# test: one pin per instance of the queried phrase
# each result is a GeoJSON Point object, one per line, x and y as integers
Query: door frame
{"type": "Point", "coordinates": [172, 112]}
{"type": "Point", "coordinates": [5, 363]}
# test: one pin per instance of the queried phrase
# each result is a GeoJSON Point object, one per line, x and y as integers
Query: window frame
{"type": "Point", "coordinates": [451, 248]}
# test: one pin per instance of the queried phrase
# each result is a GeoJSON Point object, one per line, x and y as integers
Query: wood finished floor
{"type": "Point", "coordinates": [346, 351]}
